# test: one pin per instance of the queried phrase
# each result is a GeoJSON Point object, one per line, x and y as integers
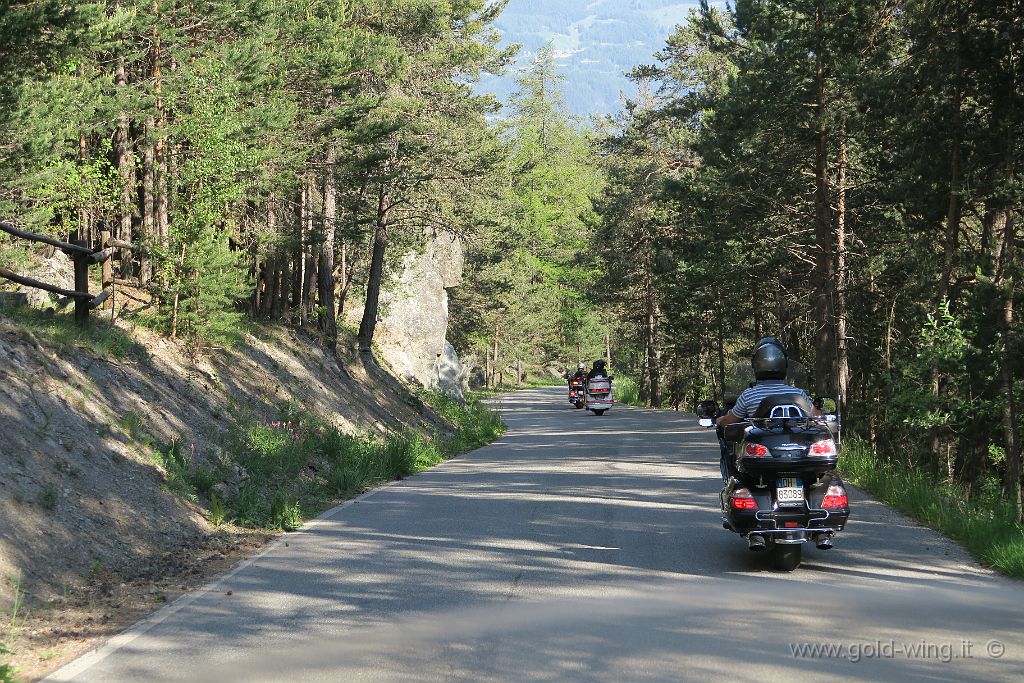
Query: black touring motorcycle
{"type": "Point", "coordinates": [783, 490]}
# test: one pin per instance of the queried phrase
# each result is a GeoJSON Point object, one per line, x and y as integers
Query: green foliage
{"type": "Point", "coordinates": [849, 180]}
{"type": "Point", "coordinates": [218, 513]}
{"type": "Point", "coordinates": [985, 523]}
{"type": "Point", "coordinates": [297, 464]}
{"type": "Point", "coordinates": [475, 424]}
{"type": "Point", "coordinates": [16, 605]}
{"type": "Point", "coordinates": [48, 498]}
{"type": "Point", "coordinates": [943, 348]}
{"type": "Point", "coordinates": [528, 273]}
{"type": "Point", "coordinates": [238, 141]}
{"type": "Point", "coordinates": [8, 673]}
{"type": "Point", "coordinates": [627, 391]}
{"type": "Point", "coordinates": [175, 462]}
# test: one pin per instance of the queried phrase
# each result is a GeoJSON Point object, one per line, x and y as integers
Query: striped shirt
{"type": "Point", "coordinates": [750, 399]}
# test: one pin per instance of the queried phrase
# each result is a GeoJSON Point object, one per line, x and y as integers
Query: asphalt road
{"type": "Point", "coordinates": [578, 547]}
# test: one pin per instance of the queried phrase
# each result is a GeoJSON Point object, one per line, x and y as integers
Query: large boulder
{"type": "Point", "coordinates": [57, 269]}
{"type": "Point", "coordinates": [412, 332]}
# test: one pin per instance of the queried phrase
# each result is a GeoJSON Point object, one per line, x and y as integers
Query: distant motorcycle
{"type": "Point", "coordinates": [598, 395]}
{"type": "Point", "coordinates": [577, 392]}
{"type": "Point", "coordinates": [786, 491]}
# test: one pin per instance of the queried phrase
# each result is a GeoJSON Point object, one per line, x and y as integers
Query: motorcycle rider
{"type": "Point", "coordinates": [770, 363]}
{"type": "Point", "coordinates": [598, 369]}
{"type": "Point", "coordinates": [580, 376]}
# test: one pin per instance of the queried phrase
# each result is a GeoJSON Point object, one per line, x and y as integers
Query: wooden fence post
{"type": "Point", "coordinates": [81, 283]}
{"type": "Point", "coordinates": [107, 269]}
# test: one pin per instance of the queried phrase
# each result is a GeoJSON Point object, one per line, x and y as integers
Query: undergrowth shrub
{"type": "Point", "coordinates": [627, 391]}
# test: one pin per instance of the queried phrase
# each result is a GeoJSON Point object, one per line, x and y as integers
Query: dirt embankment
{"type": "Point", "coordinates": [89, 532]}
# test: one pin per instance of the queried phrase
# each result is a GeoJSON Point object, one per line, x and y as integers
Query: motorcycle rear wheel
{"type": "Point", "coordinates": [786, 556]}
{"type": "Point", "coordinates": [599, 412]}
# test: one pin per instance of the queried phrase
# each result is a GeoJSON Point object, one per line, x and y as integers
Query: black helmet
{"type": "Point", "coordinates": [769, 359]}
{"type": "Point", "coordinates": [599, 363]}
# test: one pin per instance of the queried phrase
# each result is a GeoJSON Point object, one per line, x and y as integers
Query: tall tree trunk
{"type": "Point", "coordinates": [1003, 234]}
{"type": "Point", "coordinates": [719, 316]}
{"type": "Point", "coordinates": [608, 349]}
{"type": "Point", "coordinates": [148, 204]}
{"type": "Point", "coordinates": [311, 277]}
{"type": "Point", "coordinates": [953, 208]}
{"type": "Point", "coordinates": [494, 361]}
{"type": "Point", "coordinates": [302, 263]}
{"type": "Point", "coordinates": [125, 168]}
{"type": "Point", "coordinates": [644, 390]}
{"type": "Point", "coordinates": [286, 285]}
{"type": "Point", "coordinates": [328, 322]}
{"type": "Point", "coordinates": [651, 351]}
{"type": "Point", "coordinates": [824, 347]}
{"type": "Point", "coordinates": [159, 144]}
{"type": "Point", "coordinates": [654, 320]}
{"type": "Point", "coordinates": [369, 324]}
{"type": "Point", "coordinates": [348, 272]}
{"type": "Point", "coordinates": [842, 278]}
{"type": "Point", "coordinates": [84, 212]}
{"type": "Point", "coordinates": [270, 272]}
{"type": "Point", "coordinates": [952, 227]}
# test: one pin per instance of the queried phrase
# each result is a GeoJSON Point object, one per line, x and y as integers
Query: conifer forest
{"type": "Point", "coordinates": [846, 176]}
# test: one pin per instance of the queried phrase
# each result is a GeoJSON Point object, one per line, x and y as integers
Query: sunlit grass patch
{"type": "Point", "coordinates": [984, 524]}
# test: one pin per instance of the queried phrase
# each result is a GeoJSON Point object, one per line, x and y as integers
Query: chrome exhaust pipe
{"type": "Point", "coordinates": [755, 542]}
{"type": "Point", "coordinates": [824, 541]}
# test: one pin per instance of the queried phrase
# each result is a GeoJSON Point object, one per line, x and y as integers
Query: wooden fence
{"type": "Point", "coordinates": [83, 256]}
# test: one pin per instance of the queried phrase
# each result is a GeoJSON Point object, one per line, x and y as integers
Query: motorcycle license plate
{"type": "Point", "coordinates": [789, 491]}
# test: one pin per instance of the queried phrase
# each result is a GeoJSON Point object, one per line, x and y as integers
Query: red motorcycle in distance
{"type": "Point", "coordinates": [577, 393]}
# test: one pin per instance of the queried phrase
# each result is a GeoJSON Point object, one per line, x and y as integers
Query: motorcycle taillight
{"type": "Point", "coordinates": [835, 497]}
{"type": "Point", "coordinates": [823, 448]}
{"type": "Point", "coordinates": [755, 450]}
{"type": "Point", "coordinates": [740, 499]}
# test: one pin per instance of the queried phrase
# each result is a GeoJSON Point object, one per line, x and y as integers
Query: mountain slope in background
{"type": "Point", "coordinates": [596, 42]}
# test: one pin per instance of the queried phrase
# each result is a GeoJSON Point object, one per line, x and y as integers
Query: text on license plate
{"type": "Point", "coordinates": [789, 491]}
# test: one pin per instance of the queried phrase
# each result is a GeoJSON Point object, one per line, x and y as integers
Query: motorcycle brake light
{"type": "Point", "coordinates": [755, 450]}
{"type": "Point", "coordinates": [825, 447]}
{"type": "Point", "coordinates": [740, 499]}
{"type": "Point", "coordinates": [835, 497]}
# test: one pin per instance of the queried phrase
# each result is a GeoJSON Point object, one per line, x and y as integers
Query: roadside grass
{"type": "Point", "coordinates": [60, 331]}
{"type": "Point", "coordinates": [291, 468]}
{"type": "Point", "coordinates": [985, 524]}
{"type": "Point", "coordinates": [9, 671]}
{"type": "Point", "coordinates": [627, 391]}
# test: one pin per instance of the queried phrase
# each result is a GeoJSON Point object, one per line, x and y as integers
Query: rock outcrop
{"type": "Point", "coordinates": [58, 270]}
{"type": "Point", "coordinates": [412, 332]}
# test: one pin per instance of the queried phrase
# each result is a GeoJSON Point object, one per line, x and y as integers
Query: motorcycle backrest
{"type": "Point", "coordinates": [789, 404]}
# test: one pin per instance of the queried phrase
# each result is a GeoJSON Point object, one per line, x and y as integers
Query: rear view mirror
{"type": "Point", "coordinates": [825, 404]}
{"type": "Point", "coordinates": [706, 422]}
